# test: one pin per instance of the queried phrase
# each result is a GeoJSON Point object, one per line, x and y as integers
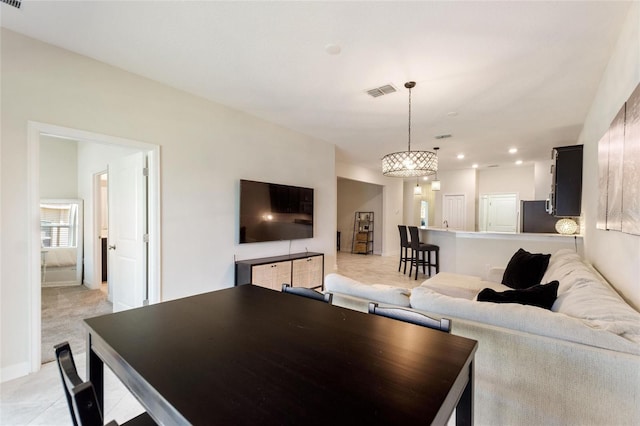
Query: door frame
{"type": "Point", "coordinates": [34, 130]}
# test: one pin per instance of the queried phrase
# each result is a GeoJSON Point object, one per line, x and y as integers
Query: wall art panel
{"type": "Point", "coordinates": [603, 180]}
{"type": "Point", "coordinates": [631, 166]}
{"type": "Point", "coordinates": [614, 187]}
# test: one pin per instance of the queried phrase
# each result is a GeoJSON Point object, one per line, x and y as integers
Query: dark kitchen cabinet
{"type": "Point", "coordinates": [566, 184]}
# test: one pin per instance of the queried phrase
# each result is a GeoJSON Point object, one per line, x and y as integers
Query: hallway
{"type": "Point", "coordinates": [63, 308]}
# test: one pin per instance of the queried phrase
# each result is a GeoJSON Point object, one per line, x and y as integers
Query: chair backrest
{"type": "Point", "coordinates": [404, 238]}
{"type": "Point", "coordinates": [81, 396]}
{"type": "Point", "coordinates": [307, 292]}
{"type": "Point", "coordinates": [415, 237]}
{"type": "Point", "coordinates": [443, 324]}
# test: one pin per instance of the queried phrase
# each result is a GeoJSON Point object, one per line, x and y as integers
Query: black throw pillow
{"type": "Point", "coordinates": [525, 269]}
{"type": "Point", "coordinates": [542, 295]}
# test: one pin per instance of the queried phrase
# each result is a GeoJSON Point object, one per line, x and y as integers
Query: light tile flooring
{"type": "Point", "coordinates": [38, 399]}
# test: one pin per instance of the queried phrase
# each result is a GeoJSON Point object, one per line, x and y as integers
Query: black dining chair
{"type": "Point", "coordinates": [405, 246]}
{"type": "Point", "coordinates": [81, 396]}
{"type": "Point", "coordinates": [413, 317]}
{"type": "Point", "coordinates": [419, 250]}
{"type": "Point", "coordinates": [307, 292]}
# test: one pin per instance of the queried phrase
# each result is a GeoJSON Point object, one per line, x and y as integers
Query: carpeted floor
{"type": "Point", "coordinates": [63, 309]}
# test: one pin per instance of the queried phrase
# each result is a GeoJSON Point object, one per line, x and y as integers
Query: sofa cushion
{"type": "Point", "coordinates": [585, 295]}
{"type": "Point", "coordinates": [522, 318]}
{"type": "Point", "coordinates": [525, 269]}
{"type": "Point", "coordinates": [459, 285]}
{"type": "Point", "coordinates": [542, 295]}
{"type": "Point", "coordinates": [375, 292]}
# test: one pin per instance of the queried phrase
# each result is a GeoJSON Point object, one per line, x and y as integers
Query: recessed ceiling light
{"type": "Point", "coordinates": [519, 162]}
{"type": "Point", "coordinates": [425, 178]}
{"type": "Point", "coordinates": [513, 150]}
{"type": "Point", "coordinates": [475, 166]}
{"type": "Point", "coordinates": [460, 156]}
{"type": "Point", "coordinates": [332, 49]}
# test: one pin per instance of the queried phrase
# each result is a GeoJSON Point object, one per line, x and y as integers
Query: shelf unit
{"type": "Point", "coordinates": [362, 233]}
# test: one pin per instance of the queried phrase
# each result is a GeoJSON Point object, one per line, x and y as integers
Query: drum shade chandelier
{"type": "Point", "coordinates": [409, 163]}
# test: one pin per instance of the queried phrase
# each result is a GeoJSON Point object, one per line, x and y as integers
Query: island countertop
{"type": "Point", "coordinates": [484, 234]}
{"type": "Point", "coordinates": [474, 253]}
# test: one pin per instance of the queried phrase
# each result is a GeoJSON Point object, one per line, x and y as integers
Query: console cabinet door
{"type": "Point", "coordinates": [271, 275]}
{"type": "Point", "coordinates": [308, 272]}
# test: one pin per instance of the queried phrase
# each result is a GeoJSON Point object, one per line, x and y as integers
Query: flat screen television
{"type": "Point", "coordinates": [274, 212]}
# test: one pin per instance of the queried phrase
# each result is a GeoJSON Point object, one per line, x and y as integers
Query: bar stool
{"type": "Point", "coordinates": [406, 246]}
{"type": "Point", "coordinates": [417, 247]}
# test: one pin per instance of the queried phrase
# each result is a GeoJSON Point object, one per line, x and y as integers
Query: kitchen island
{"type": "Point", "coordinates": [474, 253]}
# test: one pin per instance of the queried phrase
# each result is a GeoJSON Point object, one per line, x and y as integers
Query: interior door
{"type": "Point", "coordinates": [502, 213]}
{"type": "Point", "coordinates": [453, 211]}
{"type": "Point", "coordinates": [127, 230]}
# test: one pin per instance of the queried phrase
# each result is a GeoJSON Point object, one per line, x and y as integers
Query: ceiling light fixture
{"type": "Point", "coordinates": [460, 156]}
{"type": "Point", "coordinates": [519, 162]}
{"type": "Point", "coordinates": [409, 163]}
{"type": "Point", "coordinates": [435, 183]}
{"type": "Point", "coordinates": [417, 190]}
{"type": "Point", "coordinates": [475, 166]}
{"type": "Point", "coordinates": [513, 150]}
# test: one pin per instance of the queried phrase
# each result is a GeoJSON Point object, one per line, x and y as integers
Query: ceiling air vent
{"type": "Point", "coordinates": [382, 90]}
{"type": "Point", "coordinates": [14, 3]}
{"type": "Point", "coordinates": [442, 136]}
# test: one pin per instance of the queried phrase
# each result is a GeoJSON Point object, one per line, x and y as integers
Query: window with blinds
{"type": "Point", "coordinates": [59, 225]}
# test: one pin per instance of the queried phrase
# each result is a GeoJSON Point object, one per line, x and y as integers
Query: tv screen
{"type": "Point", "coordinates": [273, 212]}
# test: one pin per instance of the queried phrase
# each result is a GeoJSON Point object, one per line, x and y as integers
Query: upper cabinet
{"type": "Point", "coordinates": [565, 198]}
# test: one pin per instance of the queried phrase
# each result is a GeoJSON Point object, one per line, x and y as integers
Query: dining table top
{"type": "Point", "coordinates": [255, 356]}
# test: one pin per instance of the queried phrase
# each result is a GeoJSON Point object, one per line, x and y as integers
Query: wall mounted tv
{"type": "Point", "coordinates": [273, 212]}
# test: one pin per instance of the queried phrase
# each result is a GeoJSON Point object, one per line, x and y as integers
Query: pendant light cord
{"type": "Point", "coordinates": [409, 150]}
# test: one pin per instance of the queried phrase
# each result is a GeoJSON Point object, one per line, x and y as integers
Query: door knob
{"type": "Point", "coordinates": [113, 247]}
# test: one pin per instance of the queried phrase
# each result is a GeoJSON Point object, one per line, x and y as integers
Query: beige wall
{"type": "Point", "coordinates": [412, 202]}
{"type": "Point", "coordinates": [455, 182]}
{"type": "Point", "coordinates": [205, 149]}
{"type": "Point", "coordinates": [614, 254]}
{"type": "Point", "coordinates": [58, 168]}
{"type": "Point", "coordinates": [519, 180]}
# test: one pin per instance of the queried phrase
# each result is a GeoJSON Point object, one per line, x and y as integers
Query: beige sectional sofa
{"type": "Point", "coordinates": [576, 364]}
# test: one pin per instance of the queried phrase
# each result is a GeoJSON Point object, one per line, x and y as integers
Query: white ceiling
{"type": "Point", "coordinates": [515, 74]}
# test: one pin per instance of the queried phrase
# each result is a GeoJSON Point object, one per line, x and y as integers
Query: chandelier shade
{"type": "Point", "coordinates": [409, 163]}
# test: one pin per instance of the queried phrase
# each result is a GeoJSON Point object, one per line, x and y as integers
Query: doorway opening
{"type": "Point", "coordinates": [92, 196]}
{"type": "Point", "coordinates": [101, 221]}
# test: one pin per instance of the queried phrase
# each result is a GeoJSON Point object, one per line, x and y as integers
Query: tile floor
{"type": "Point", "coordinates": [38, 399]}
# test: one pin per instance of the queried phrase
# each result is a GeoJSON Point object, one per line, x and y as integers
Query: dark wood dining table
{"type": "Point", "coordinates": [248, 355]}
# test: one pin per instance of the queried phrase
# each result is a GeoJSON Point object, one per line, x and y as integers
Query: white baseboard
{"type": "Point", "coordinates": [14, 371]}
{"type": "Point", "coordinates": [60, 283]}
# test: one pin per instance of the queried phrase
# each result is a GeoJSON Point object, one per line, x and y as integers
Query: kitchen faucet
{"type": "Point", "coordinates": [446, 224]}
